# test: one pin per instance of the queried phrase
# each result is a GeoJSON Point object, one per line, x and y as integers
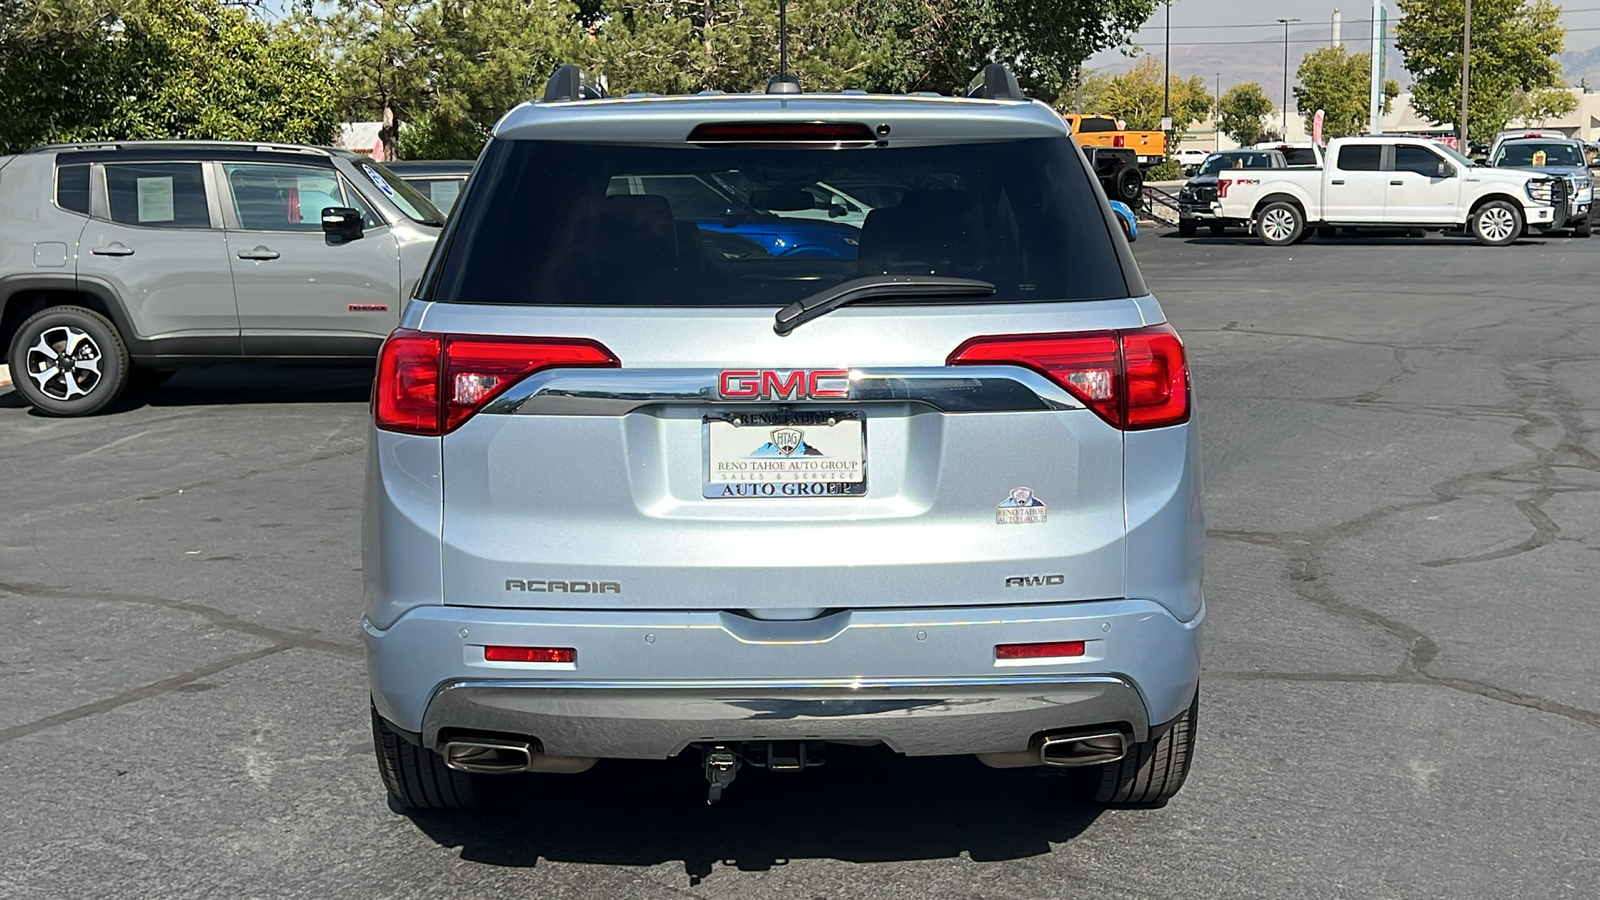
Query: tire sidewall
{"type": "Point", "coordinates": [113, 368]}
{"type": "Point", "coordinates": [1293, 237]}
{"type": "Point", "coordinates": [1129, 183]}
{"type": "Point", "coordinates": [1477, 224]}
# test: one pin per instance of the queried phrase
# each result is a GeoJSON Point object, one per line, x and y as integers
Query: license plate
{"type": "Point", "coordinates": [787, 454]}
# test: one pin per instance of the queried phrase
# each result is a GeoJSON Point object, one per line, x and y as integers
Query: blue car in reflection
{"type": "Point", "coordinates": [1130, 225]}
{"type": "Point", "coordinates": [740, 228]}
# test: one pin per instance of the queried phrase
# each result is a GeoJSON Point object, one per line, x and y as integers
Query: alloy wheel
{"type": "Point", "coordinates": [1496, 223]}
{"type": "Point", "coordinates": [65, 363]}
{"type": "Point", "coordinates": [1278, 225]}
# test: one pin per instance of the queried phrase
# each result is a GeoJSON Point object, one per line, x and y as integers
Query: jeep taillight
{"type": "Point", "coordinates": [1134, 379]}
{"type": "Point", "coordinates": [430, 383]}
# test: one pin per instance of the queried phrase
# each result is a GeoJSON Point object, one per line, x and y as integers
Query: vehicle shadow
{"type": "Point", "coordinates": [864, 805]}
{"type": "Point", "coordinates": [233, 385]}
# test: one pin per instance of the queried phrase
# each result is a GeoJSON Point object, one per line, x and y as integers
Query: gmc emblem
{"type": "Point", "coordinates": [779, 384]}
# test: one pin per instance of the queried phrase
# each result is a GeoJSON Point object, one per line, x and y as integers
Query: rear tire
{"type": "Point", "coordinates": [1496, 223]}
{"type": "Point", "coordinates": [1280, 224]}
{"type": "Point", "coordinates": [1583, 230]}
{"type": "Point", "coordinates": [416, 777]}
{"type": "Point", "coordinates": [1217, 230]}
{"type": "Point", "coordinates": [1129, 183]}
{"type": "Point", "coordinates": [1186, 228]}
{"type": "Point", "coordinates": [1153, 771]}
{"type": "Point", "coordinates": [68, 361]}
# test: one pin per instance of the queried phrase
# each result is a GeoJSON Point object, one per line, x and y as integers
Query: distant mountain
{"type": "Point", "coordinates": [1580, 66]}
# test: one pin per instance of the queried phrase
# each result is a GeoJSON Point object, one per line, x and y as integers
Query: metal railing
{"type": "Point", "coordinates": [1158, 205]}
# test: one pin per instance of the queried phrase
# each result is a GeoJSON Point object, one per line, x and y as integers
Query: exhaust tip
{"type": "Point", "coordinates": [1099, 748]}
{"type": "Point", "coordinates": [488, 757]}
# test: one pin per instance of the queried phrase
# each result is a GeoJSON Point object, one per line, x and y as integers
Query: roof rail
{"type": "Point", "coordinates": [995, 82]}
{"type": "Point", "coordinates": [571, 82]}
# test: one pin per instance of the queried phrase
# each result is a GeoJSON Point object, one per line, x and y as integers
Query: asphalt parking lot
{"type": "Point", "coordinates": [1400, 700]}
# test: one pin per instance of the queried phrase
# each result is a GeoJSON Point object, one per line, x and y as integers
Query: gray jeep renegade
{"type": "Point", "coordinates": [669, 457]}
{"type": "Point", "coordinates": [124, 262]}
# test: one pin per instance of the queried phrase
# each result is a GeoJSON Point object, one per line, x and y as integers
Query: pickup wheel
{"type": "Point", "coordinates": [417, 777]}
{"type": "Point", "coordinates": [68, 361]}
{"type": "Point", "coordinates": [1129, 182]}
{"type": "Point", "coordinates": [1280, 224]}
{"type": "Point", "coordinates": [1153, 771]}
{"type": "Point", "coordinates": [1496, 223]}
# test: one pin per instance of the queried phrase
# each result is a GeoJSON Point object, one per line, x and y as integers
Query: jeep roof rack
{"type": "Point", "coordinates": [571, 82]}
{"type": "Point", "coordinates": [995, 82]}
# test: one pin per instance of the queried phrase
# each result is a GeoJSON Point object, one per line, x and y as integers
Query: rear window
{"type": "Point", "coordinates": [1093, 126]}
{"type": "Point", "coordinates": [1361, 158]}
{"type": "Point", "coordinates": [1299, 156]}
{"type": "Point", "coordinates": [1260, 159]}
{"type": "Point", "coordinates": [72, 188]}
{"type": "Point", "coordinates": [555, 223]}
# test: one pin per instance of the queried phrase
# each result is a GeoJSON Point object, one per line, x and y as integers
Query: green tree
{"type": "Point", "coordinates": [1241, 112]}
{"type": "Point", "coordinates": [1514, 71]}
{"type": "Point", "coordinates": [1136, 97]}
{"type": "Point", "coordinates": [1340, 84]}
{"type": "Point", "coordinates": [128, 69]}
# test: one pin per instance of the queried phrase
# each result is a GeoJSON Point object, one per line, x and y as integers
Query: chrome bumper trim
{"type": "Point", "coordinates": [616, 392]}
{"type": "Point", "coordinates": [658, 719]}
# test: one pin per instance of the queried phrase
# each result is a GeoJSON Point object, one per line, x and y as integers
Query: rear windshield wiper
{"type": "Point", "coordinates": [875, 287]}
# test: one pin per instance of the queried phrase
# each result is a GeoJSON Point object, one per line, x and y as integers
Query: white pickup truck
{"type": "Point", "coordinates": [1391, 182]}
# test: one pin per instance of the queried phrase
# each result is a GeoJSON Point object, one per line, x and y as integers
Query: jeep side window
{"type": "Point", "coordinates": [159, 195]}
{"type": "Point", "coordinates": [282, 197]}
{"type": "Point", "coordinates": [1361, 158]}
{"type": "Point", "coordinates": [72, 188]}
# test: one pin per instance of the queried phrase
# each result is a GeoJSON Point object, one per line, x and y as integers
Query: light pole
{"type": "Point", "coordinates": [1216, 118]}
{"type": "Point", "coordinates": [1166, 84]}
{"type": "Point", "coordinates": [1286, 23]}
{"type": "Point", "coordinates": [1466, 73]}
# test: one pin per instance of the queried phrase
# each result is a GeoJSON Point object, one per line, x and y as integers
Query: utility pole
{"type": "Point", "coordinates": [1466, 73]}
{"type": "Point", "coordinates": [1286, 23]}
{"type": "Point", "coordinates": [1216, 118]}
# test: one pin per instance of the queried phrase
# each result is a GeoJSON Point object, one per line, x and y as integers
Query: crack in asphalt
{"type": "Point", "coordinates": [134, 695]}
{"type": "Point", "coordinates": [224, 621]}
{"type": "Point", "coordinates": [1552, 430]}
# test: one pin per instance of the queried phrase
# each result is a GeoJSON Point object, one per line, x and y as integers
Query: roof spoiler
{"type": "Point", "coordinates": [571, 82]}
{"type": "Point", "coordinates": [995, 82]}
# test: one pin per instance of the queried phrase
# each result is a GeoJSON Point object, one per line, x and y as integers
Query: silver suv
{"type": "Point", "coordinates": [125, 262]}
{"type": "Point", "coordinates": [643, 483]}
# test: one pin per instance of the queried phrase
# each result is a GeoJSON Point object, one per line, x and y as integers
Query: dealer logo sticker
{"type": "Point", "coordinates": [1021, 508]}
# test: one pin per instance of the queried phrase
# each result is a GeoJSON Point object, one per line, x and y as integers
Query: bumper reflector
{"type": "Point", "coordinates": [531, 654]}
{"type": "Point", "coordinates": [1051, 650]}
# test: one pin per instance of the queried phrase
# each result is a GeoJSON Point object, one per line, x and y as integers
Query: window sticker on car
{"type": "Point", "coordinates": [378, 180]}
{"type": "Point", "coordinates": [155, 199]}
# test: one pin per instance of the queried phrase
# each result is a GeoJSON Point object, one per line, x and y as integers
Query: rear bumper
{"type": "Point", "coordinates": [647, 684]}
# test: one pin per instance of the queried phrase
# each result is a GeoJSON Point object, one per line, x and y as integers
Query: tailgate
{"type": "Point", "coordinates": [600, 488]}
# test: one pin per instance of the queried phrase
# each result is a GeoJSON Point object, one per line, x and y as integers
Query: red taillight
{"type": "Point", "coordinates": [781, 132]}
{"type": "Point", "coordinates": [1222, 188]}
{"type": "Point", "coordinates": [531, 654]}
{"type": "Point", "coordinates": [1134, 379]}
{"type": "Point", "coordinates": [1118, 140]}
{"type": "Point", "coordinates": [430, 383]}
{"type": "Point", "coordinates": [1050, 650]}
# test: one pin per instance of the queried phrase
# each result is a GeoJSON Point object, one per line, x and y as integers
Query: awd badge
{"type": "Point", "coordinates": [1021, 508]}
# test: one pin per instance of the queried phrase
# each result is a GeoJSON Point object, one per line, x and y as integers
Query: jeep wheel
{"type": "Point", "coordinates": [1496, 223]}
{"type": "Point", "coordinates": [1186, 228]}
{"type": "Point", "coordinates": [416, 777]}
{"type": "Point", "coordinates": [68, 361]}
{"type": "Point", "coordinates": [1280, 224]}
{"type": "Point", "coordinates": [1153, 771]}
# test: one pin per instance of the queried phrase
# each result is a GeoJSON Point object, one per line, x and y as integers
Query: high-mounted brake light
{"type": "Point", "coordinates": [1134, 379]}
{"type": "Point", "coordinates": [430, 383]}
{"type": "Point", "coordinates": [781, 132]}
